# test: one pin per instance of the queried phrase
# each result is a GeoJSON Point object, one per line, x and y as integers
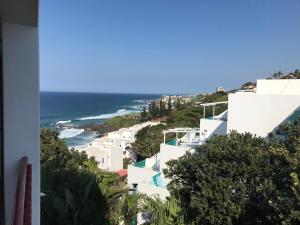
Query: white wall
{"type": "Point", "coordinates": [143, 177]}
{"type": "Point", "coordinates": [212, 127]}
{"type": "Point", "coordinates": [278, 87]}
{"type": "Point", "coordinates": [21, 111]}
{"type": "Point", "coordinates": [168, 152]}
{"type": "Point", "coordinates": [140, 175]}
{"type": "Point", "coordinates": [116, 159]}
{"type": "Point", "coordinates": [153, 161]}
{"type": "Point", "coordinates": [259, 114]}
{"type": "Point", "coordinates": [102, 158]}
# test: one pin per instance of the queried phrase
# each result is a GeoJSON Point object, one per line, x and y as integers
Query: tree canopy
{"type": "Point", "coordinates": [148, 141]}
{"type": "Point", "coordinates": [240, 179]}
{"type": "Point", "coordinates": [76, 191]}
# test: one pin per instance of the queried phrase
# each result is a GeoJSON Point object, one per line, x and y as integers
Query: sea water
{"type": "Point", "coordinates": [67, 112]}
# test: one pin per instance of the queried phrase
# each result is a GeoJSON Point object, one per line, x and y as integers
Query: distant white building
{"type": "Point", "coordinates": [174, 99]}
{"type": "Point", "coordinates": [109, 151]}
{"type": "Point", "coordinates": [260, 112]}
{"type": "Point", "coordinates": [108, 158]}
{"type": "Point", "coordinates": [249, 86]}
{"type": "Point", "coordinates": [220, 89]}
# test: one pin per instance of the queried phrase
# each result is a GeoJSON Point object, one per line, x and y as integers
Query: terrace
{"type": "Point", "coordinates": [183, 137]}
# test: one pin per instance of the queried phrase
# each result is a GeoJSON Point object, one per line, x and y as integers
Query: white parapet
{"type": "Point", "coordinates": [168, 152]}
{"type": "Point", "coordinates": [260, 114]}
{"type": "Point", "coordinates": [278, 87]}
{"type": "Point", "coordinates": [140, 175]}
{"type": "Point", "coordinates": [210, 127]}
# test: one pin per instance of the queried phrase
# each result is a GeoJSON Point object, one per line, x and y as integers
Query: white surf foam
{"type": "Point", "coordinates": [63, 121]}
{"type": "Point", "coordinates": [70, 132]}
{"type": "Point", "coordinates": [139, 100]}
{"type": "Point", "coordinates": [120, 112]}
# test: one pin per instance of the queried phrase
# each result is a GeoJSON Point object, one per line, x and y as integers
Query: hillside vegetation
{"type": "Point", "coordinates": [149, 139]}
{"type": "Point", "coordinates": [114, 124]}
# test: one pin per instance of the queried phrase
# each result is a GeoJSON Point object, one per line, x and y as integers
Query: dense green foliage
{"type": "Point", "coordinates": [161, 212]}
{"type": "Point", "coordinates": [123, 121]}
{"type": "Point", "coordinates": [148, 141]}
{"type": "Point", "coordinates": [76, 191]}
{"type": "Point", "coordinates": [114, 124]}
{"type": "Point", "coordinates": [55, 153]}
{"type": "Point", "coordinates": [215, 97]}
{"type": "Point", "coordinates": [126, 162]}
{"type": "Point", "coordinates": [188, 116]}
{"type": "Point", "coordinates": [156, 111]}
{"type": "Point", "coordinates": [144, 115]}
{"type": "Point", "coordinates": [240, 179]}
{"type": "Point", "coordinates": [127, 209]}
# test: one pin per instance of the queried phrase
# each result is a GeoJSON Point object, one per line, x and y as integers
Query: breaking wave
{"type": "Point", "coordinates": [120, 112]}
{"type": "Point", "coordinates": [70, 132]}
{"type": "Point", "coordinates": [139, 100]}
{"type": "Point", "coordinates": [63, 121]}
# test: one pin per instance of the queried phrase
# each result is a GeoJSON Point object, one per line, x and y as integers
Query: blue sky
{"type": "Point", "coordinates": [165, 46]}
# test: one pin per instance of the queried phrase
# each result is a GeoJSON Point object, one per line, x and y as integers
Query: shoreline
{"type": "Point", "coordinates": [106, 128]}
{"type": "Point", "coordinates": [106, 135]}
{"type": "Point", "coordinates": [83, 131]}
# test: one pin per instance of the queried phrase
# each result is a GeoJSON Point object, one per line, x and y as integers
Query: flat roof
{"type": "Point", "coordinates": [182, 130]}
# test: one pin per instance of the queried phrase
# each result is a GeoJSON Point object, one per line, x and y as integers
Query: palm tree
{"type": "Point", "coordinates": [72, 197]}
{"type": "Point", "coordinates": [277, 75]}
{"type": "Point", "coordinates": [111, 185]}
{"type": "Point", "coordinates": [160, 212]}
{"type": "Point", "coordinates": [127, 209]}
{"type": "Point", "coordinates": [112, 188]}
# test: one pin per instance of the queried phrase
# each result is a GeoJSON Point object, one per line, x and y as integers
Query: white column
{"type": "Point", "coordinates": [21, 111]}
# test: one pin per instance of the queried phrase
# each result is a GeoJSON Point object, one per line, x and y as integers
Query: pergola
{"type": "Point", "coordinates": [183, 130]}
{"type": "Point", "coordinates": [213, 104]}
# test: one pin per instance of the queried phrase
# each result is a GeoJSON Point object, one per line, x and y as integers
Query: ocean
{"type": "Point", "coordinates": [66, 112]}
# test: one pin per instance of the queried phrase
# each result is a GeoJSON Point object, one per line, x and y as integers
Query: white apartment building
{"type": "Point", "coordinates": [260, 112]}
{"type": "Point", "coordinates": [109, 151]}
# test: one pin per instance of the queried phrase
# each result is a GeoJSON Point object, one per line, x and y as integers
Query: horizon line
{"type": "Point", "coordinates": [94, 92]}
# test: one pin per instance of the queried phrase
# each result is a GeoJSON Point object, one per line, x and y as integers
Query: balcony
{"type": "Point", "coordinates": [184, 137]}
{"type": "Point", "coordinates": [140, 164]}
